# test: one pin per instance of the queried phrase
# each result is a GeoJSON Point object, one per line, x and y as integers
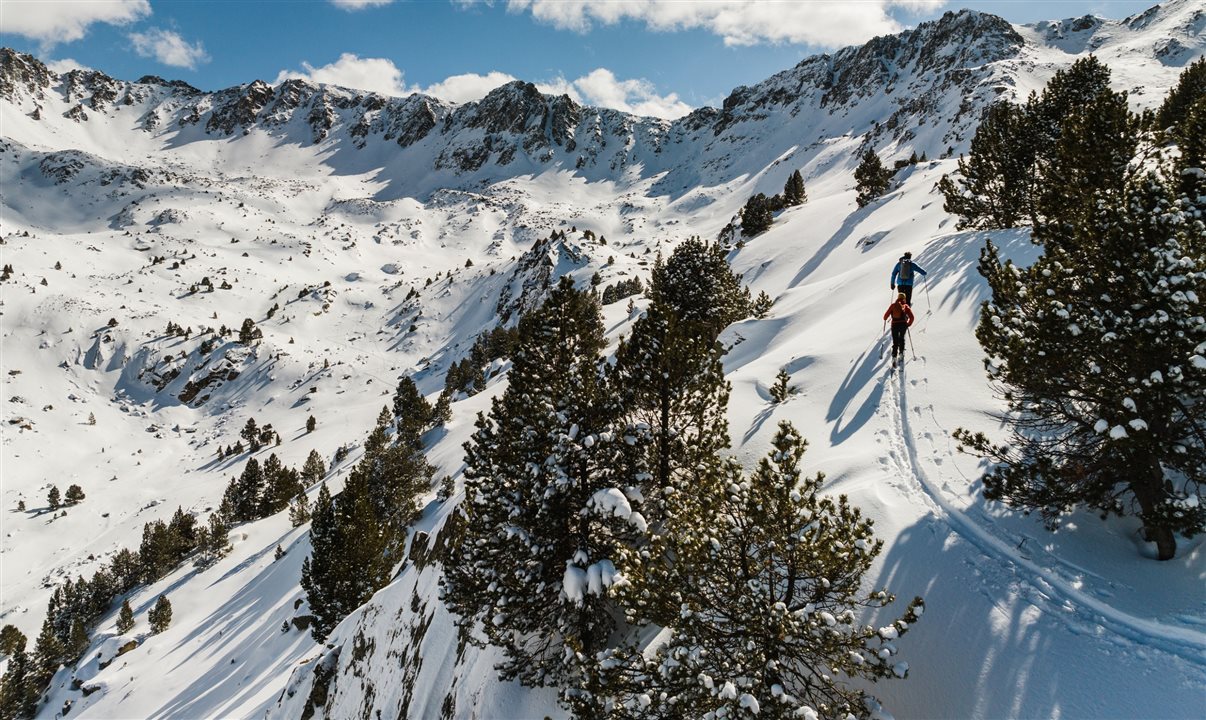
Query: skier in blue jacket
{"type": "Point", "coordinates": [903, 276]}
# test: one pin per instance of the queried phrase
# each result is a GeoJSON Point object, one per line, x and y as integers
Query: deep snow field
{"type": "Point", "coordinates": [1019, 622]}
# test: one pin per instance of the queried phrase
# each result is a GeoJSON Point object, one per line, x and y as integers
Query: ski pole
{"type": "Point", "coordinates": [879, 339]}
{"type": "Point", "coordinates": [928, 308]}
{"type": "Point", "coordinates": [910, 335]}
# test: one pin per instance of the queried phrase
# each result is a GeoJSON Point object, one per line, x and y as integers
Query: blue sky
{"type": "Point", "coordinates": [659, 57]}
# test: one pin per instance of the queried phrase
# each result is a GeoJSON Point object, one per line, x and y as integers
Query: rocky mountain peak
{"type": "Point", "coordinates": [21, 71]}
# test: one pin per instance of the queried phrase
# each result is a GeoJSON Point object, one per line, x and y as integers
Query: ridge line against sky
{"type": "Point", "coordinates": [659, 58]}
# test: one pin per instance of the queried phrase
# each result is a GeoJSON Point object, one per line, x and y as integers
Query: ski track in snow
{"type": "Point", "coordinates": [1059, 599]}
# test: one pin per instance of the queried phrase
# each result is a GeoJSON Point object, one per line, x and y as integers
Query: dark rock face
{"type": "Point", "coordinates": [62, 166]}
{"type": "Point", "coordinates": [177, 86]}
{"type": "Point", "coordinates": [24, 72]}
{"type": "Point", "coordinates": [240, 108]}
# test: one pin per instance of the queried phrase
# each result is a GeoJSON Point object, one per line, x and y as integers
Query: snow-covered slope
{"type": "Point", "coordinates": [332, 204]}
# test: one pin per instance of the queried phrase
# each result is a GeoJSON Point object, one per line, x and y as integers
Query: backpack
{"type": "Point", "coordinates": [906, 272]}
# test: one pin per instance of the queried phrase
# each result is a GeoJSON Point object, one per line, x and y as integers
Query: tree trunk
{"type": "Point", "coordinates": [1149, 492]}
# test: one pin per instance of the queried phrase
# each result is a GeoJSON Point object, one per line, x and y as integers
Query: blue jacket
{"type": "Point", "coordinates": [896, 273]}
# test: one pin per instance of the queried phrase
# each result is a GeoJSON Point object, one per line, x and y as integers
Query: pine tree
{"type": "Point", "coordinates": [77, 639]}
{"type": "Point", "coordinates": [214, 543]}
{"type": "Point", "coordinates": [321, 571]}
{"type": "Point", "coordinates": [671, 381]}
{"type": "Point", "coordinates": [53, 498]}
{"type": "Point", "coordinates": [1190, 135]}
{"type": "Point", "coordinates": [248, 332]}
{"type": "Point", "coordinates": [1098, 349]}
{"type": "Point", "coordinates": [299, 510]}
{"type": "Point", "coordinates": [995, 185]}
{"type": "Point", "coordinates": [412, 412]}
{"type": "Point", "coordinates": [781, 390]}
{"type": "Point", "coordinates": [246, 492]}
{"type": "Point", "coordinates": [181, 536]}
{"type": "Point", "coordinates": [871, 178]}
{"type": "Point", "coordinates": [251, 433]}
{"type": "Point", "coordinates": [769, 625]}
{"type": "Point", "coordinates": [155, 557]}
{"type": "Point", "coordinates": [311, 423]}
{"type": "Point", "coordinates": [756, 216]}
{"type": "Point", "coordinates": [160, 616]}
{"type": "Point", "coordinates": [75, 495]}
{"type": "Point", "coordinates": [545, 507]}
{"type": "Point", "coordinates": [20, 687]}
{"type": "Point", "coordinates": [314, 469]}
{"type": "Point", "coordinates": [793, 190]}
{"type": "Point", "coordinates": [1190, 89]}
{"type": "Point", "coordinates": [49, 653]}
{"type": "Point", "coordinates": [11, 640]}
{"type": "Point", "coordinates": [125, 618]}
{"type": "Point", "coordinates": [698, 286]}
{"type": "Point", "coordinates": [1087, 165]}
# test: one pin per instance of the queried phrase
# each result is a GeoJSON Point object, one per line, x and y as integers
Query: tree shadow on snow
{"type": "Point", "coordinates": [977, 651]}
{"type": "Point", "coordinates": [952, 260]}
{"type": "Point", "coordinates": [862, 371]}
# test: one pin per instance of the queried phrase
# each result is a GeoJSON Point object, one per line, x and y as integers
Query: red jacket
{"type": "Point", "coordinates": [900, 313]}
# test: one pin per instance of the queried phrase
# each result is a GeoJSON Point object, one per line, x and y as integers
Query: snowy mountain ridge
{"type": "Point", "coordinates": [330, 205]}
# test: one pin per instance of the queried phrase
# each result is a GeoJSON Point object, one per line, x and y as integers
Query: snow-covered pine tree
{"type": "Point", "coordinates": [698, 285]}
{"type": "Point", "coordinates": [551, 491]}
{"type": "Point", "coordinates": [871, 178]}
{"type": "Point", "coordinates": [1100, 351]}
{"type": "Point", "coordinates": [53, 497]}
{"type": "Point", "coordinates": [669, 377]}
{"type": "Point", "coordinates": [770, 628]}
{"type": "Point", "coordinates": [125, 618]}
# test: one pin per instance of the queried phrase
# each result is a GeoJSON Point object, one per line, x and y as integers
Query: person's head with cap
{"type": "Point", "coordinates": [900, 297]}
{"type": "Point", "coordinates": [907, 256]}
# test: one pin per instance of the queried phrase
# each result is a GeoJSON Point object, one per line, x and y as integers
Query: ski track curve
{"type": "Point", "coordinates": [1046, 582]}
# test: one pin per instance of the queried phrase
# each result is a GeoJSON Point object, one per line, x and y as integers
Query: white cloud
{"type": "Point", "coordinates": [826, 23]}
{"type": "Point", "coordinates": [65, 65]}
{"type": "Point", "coordinates": [372, 74]}
{"type": "Point", "coordinates": [66, 20]}
{"type": "Point", "coordinates": [467, 87]}
{"type": "Point", "coordinates": [638, 96]}
{"type": "Point", "coordinates": [359, 4]}
{"type": "Point", "coordinates": [600, 87]}
{"type": "Point", "coordinates": [168, 48]}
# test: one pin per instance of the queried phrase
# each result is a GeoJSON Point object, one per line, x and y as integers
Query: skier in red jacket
{"type": "Point", "coordinates": [902, 318]}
